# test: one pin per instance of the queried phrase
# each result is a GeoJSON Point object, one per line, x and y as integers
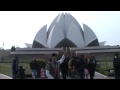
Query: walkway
{"type": "Point", "coordinates": [2, 76]}
{"type": "Point", "coordinates": [99, 76]}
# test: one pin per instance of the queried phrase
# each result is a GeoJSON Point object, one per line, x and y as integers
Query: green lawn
{"type": "Point", "coordinates": [105, 67]}
{"type": "Point", "coordinates": [5, 68]}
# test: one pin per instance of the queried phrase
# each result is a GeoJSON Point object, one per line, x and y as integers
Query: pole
{"type": "Point", "coordinates": [70, 51]}
{"type": "Point", "coordinates": [3, 45]}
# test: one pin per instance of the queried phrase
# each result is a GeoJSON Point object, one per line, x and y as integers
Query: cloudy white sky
{"type": "Point", "coordinates": [19, 27]}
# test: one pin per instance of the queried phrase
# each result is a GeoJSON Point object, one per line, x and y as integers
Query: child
{"type": "Point", "coordinates": [86, 73]}
{"type": "Point", "coordinates": [22, 72]}
{"type": "Point", "coordinates": [42, 74]}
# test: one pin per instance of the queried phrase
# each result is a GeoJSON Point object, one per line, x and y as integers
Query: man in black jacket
{"type": "Point", "coordinates": [91, 68]}
{"type": "Point", "coordinates": [34, 67]}
{"type": "Point", "coordinates": [116, 64]}
{"type": "Point", "coordinates": [80, 67]}
{"type": "Point", "coordinates": [94, 61]}
{"type": "Point", "coordinates": [64, 68]}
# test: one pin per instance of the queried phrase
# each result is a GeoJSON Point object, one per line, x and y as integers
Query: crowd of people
{"type": "Point", "coordinates": [78, 67]}
{"type": "Point", "coordinates": [19, 71]}
{"type": "Point", "coordinates": [75, 67]}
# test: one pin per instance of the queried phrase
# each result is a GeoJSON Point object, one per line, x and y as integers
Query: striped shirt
{"type": "Point", "coordinates": [52, 69]}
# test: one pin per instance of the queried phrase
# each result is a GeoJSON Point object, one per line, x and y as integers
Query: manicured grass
{"type": "Point", "coordinates": [9, 61]}
{"type": "Point", "coordinates": [105, 67]}
{"type": "Point", "coordinates": [5, 53]}
{"type": "Point", "coordinates": [5, 68]}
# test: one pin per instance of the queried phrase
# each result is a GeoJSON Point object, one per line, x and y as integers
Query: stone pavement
{"type": "Point", "coordinates": [98, 76]}
{"type": "Point", "coordinates": [101, 76]}
{"type": "Point", "coordinates": [2, 76]}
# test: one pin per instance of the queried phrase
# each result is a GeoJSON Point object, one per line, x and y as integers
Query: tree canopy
{"type": "Point", "coordinates": [13, 49]}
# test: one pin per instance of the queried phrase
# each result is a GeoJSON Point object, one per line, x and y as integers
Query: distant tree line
{"type": "Point", "coordinates": [13, 49]}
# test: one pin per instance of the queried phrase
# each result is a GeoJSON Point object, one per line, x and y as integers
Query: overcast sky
{"type": "Point", "coordinates": [19, 27]}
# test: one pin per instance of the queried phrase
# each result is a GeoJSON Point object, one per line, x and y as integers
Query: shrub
{"type": "Point", "coordinates": [13, 48]}
{"type": "Point", "coordinates": [41, 64]}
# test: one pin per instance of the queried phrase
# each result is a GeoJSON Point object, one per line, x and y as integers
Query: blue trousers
{"type": "Point", "coordinates": [34, 74]}
{"type": "Point", "coordinates": [14, 75]}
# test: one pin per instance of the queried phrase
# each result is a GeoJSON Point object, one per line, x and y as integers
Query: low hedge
{"type": "Point", "coordinates": [41, 64]}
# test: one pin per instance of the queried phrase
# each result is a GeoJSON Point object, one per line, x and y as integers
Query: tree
{"type": "Point", "coordinates": [13, 48]}
{"type": "Point", "coordinates": [41, 64]}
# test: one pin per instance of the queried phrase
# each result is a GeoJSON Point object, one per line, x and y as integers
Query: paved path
{"type": "Point", "coordinates": [101, 76]}
{"type": "Point", "coordinates": [98, 76]}
{"type": "Point", "coordinates": [2, 76]}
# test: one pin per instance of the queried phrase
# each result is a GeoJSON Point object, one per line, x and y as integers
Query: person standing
{"type": "Point", "coordinates": [116, 64]}
{"type": "Point", "coordinates": [42, 74]}
{"type": "Point", "coordinates": [15, 67]}
{"type": "Point", "coordinates": [94, 61]}
{"type": "Point", "coordinates": [91, 68]}
{"type": "Point", "coordinates": [52, 68]}
{"type": "Point", "coordinates": [64, 68]}
{"type": "Point", "coordinates": [34, 67]}
{"type": "Point", "coordinates": [80, 67]}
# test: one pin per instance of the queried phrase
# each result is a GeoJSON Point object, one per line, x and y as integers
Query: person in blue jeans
{"type": "Point", "coordinates": [15, 67]}
{"type": "Point", "coordinates": [34, 67]}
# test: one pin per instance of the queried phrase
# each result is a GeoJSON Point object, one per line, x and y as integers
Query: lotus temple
{"type": "Point", "coordinates": [66, 33]}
